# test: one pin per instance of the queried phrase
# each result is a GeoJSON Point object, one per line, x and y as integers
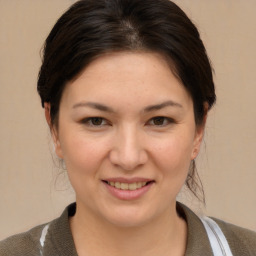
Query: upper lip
{"type": "Point", "coordinates": [128, 180]}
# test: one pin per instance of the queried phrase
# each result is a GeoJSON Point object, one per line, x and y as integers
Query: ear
{"type": "Point", "coordinates": [53, 129]}
{"type": "Point", "coordinates": [47, 113]}
{"type": "Point", "coordinates": [199, 134]}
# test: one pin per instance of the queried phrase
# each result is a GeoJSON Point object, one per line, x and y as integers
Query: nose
{"type": "Point", "coordinates": [128, 151]}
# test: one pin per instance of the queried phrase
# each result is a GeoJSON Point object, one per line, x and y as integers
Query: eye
{"type": "Point", "coordinates": [95, 121]}
{"type": "Point", "coordinates": [160, 121]}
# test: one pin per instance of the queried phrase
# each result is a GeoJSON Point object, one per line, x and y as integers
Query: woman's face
{"type": "Point", "coordinates": [127, 135]}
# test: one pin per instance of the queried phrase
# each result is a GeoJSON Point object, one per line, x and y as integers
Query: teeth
{"type": "Point", "coordinates": [118, 185]}
{"type": "Point", "coordinates": [132, 186]}
{"type": "Point", "coordinates": [126, 186]}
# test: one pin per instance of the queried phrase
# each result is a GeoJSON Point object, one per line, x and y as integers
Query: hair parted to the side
{"type": "Point", "coordinates": [89, 29]}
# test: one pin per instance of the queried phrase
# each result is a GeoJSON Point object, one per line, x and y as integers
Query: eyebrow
{"type": "Point", "coordinates": [94, 105]}
{"type": "Point", "coordinates": [163, 105]}
{"type": "Point", "coordinates": [105, 108]}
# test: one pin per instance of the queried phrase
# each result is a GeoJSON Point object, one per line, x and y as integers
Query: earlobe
{"type": "Point", "coordinates": [197, 141]}
{"type": "Point", "coordinates": [56, 141]}
{"type": "Point", "coordinates": [47, 113]}
{"type": "Point", "coordinates": [57, 146]}
{"type": "Point", "coordinates": [58, 149]}
{"type": "Point", "coordinates": [199, 134]}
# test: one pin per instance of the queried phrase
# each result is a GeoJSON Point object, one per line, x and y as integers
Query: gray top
{"type": "Point", "coordinates": [55, 238]}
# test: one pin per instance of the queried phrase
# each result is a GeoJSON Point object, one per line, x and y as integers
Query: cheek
{"type": "Point", "coordinates": [174, 153]}
{"type": "Point", "coordinates": [173, 160]}
{"type": "Point", "coordinates": [83, 158]}
{"type": "Point", "coordinates": [82, 155]}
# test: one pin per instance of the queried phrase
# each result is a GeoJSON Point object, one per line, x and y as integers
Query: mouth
{"type": "Point", "coordinates": [128, 189]}
{"type": "Point", "coordinates": [128, 186]}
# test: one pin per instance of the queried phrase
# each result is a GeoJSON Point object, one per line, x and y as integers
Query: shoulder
{"type": "Point", "coordinates": [241, 240]}
{"type": "Point", "coordinates": [53, 238]}
{"type": "Point", "coordinates": [22, 244]}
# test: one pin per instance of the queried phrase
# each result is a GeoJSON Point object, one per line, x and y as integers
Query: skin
{"type": "Point", "coordinates": [128, 141]}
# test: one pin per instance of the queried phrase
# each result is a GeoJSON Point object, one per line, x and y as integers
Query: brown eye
{"type": "Point", "coordinates": [158, 120]}
{"type": "Point", "coordinates": [96, 121]}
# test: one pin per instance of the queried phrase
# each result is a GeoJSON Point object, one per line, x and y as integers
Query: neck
{"type": "Point", "coordinates": [165, 235]}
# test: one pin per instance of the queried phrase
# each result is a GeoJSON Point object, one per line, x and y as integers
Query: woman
{"type": "Point", "coordinates": [126, 86]}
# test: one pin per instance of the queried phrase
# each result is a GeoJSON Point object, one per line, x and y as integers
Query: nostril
{"type": "Point", "coordinates": [128, 155]}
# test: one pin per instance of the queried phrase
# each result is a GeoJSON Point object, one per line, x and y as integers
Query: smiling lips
{"type": "Point", "coordinates": [127, 186]}
{"type": "Point", "coordinates": [128, 189]}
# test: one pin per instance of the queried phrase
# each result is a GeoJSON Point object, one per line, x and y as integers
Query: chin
{"type": "Point", "coordinates": [128, 222]}
{"type": "Point", "coordinates": [128, 218]}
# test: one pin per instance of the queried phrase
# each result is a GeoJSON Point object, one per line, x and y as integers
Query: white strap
{"type": "Point", "coordinates": [216, 237]}
{"type": "Point", "coordinates": [42, 238]}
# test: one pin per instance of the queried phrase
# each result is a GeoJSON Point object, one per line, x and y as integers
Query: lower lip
{"type": "Point", "coordinates": [128, 194]}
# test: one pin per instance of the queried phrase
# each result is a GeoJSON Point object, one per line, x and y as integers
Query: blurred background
{"type": "Point", "coordinates": [34, 189]}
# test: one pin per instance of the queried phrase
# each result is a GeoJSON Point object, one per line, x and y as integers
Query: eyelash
{"type": "Point", "coordinates": [90, 121]}
{"type": "Point", "coordinates": [166, 121]}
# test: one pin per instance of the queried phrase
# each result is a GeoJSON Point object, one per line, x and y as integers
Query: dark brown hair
{"type": "Point", "coordinates": [91, 28]}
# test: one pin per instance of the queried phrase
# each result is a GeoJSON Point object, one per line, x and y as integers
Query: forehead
{"type": "Point", "coordinates": [127, 78]}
